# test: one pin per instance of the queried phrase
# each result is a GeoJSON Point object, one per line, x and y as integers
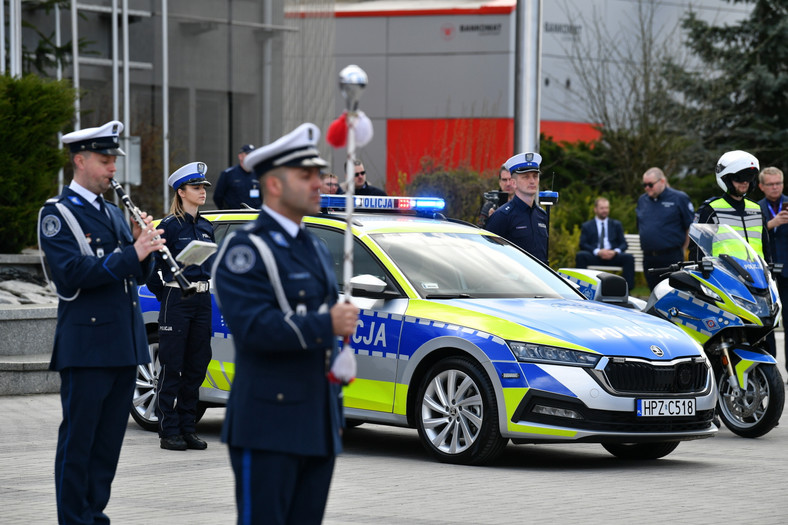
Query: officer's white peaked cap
{"type": "Point", "coordinates": [523, 162]}
{"type": "Point", "coordinates": [192, 173]}
{"type": "Point", "coordinates": [102, 139]}
{"type": "Point", "coordinates": [298, 148]}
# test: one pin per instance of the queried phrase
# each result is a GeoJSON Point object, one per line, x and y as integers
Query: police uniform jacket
{"type": "Point", "coordinates": [102, 326]}
{"type": "Point", "coordinates": [525, 226]}
{"type": "Point", "coordinates": [281, 400]}
{"type": "Point", "coordinates": [179, 232]}
{"type": "Point", "coordinates": [663, 222]}
{"type": "Point", "coordinates": [234, 188]}
{"type": "Point", "coordinates": [778, 236]}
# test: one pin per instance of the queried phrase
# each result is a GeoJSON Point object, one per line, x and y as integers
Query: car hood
{"type": "Point", "coordinates": [607, 329]}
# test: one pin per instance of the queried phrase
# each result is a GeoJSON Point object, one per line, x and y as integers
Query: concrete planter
{"type": "Point", "coordinates": [26, 337]}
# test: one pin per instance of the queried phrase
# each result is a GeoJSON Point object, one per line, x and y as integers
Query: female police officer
{"type": "Point", "coordinates": [184, 322]}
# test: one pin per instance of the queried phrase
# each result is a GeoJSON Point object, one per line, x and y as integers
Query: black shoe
{"type": "Point", "coordinates": [173, 443]}
{"type": "Point", "coordinates": [193, 442]}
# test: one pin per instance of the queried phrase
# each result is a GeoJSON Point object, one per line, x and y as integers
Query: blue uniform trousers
{"type": "Point", "coordinates": [660, 259]}
{"type": "Point", "coordinates": [96, 405]}
{"type": "Point", "coordinates": [184, 354]}
{"type": "Point", "coordinates": [277, 488]}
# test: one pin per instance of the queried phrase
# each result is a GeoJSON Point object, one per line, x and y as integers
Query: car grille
{"type": "Point", "coordinates": [640, 377]}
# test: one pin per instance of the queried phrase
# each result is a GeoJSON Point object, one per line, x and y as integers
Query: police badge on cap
{"type": "Point", "coordinates": [103, 139]}
{"type": "Point", "coordinates": [524, 162]}
{"type": "Point", "coordinates": [191, 174]}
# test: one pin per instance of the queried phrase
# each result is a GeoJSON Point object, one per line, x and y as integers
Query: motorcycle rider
{"type": "Point", "coordinates": [737, 172]}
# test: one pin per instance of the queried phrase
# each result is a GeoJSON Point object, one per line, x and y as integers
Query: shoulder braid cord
{"type": "Point", "coordinates": [79, 235]}
{"type": "Point", "coordinates": [267, 256]}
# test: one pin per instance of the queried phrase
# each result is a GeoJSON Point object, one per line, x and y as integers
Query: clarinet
{"type": "Point", "coordinates": [187, 289]}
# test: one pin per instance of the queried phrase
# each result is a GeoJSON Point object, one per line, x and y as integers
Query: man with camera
{"type": "Point", "coordinates": [495, 199]}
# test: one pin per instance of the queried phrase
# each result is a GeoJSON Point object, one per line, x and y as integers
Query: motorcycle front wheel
{"type": "Point", "coordinates": [758, 409]}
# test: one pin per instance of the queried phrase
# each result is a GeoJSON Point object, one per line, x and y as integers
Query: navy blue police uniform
{"type": "Point", "coordinates": [237, 187]}
{"type": "Point", "coordinates": [284, 416]}
{"type": "Point", "coordinates": [184, 325]}
{"type": "Point", "coordinates": [525, 226]}
{"type": "Point", "coordinates": [99, 340]}
{"type": "Point", "coordinates": [662, 224]}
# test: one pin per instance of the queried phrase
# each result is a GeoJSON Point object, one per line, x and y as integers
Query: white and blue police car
{"type": "Point", "coordinates": [472, 342]}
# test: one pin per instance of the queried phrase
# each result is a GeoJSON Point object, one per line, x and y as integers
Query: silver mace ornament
{"type": "Point", "coordinates": [352, 81]}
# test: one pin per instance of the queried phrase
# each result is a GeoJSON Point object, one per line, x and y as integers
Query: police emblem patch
{"type": "Point", "coordinates": [240, 259]}
{"type": "Point", "coordinates": [50, 226]}
{"type": "Point", "coordinates": [279, 239]}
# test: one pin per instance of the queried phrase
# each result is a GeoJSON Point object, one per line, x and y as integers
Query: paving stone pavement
{"type": "Point", "coordinates": [385, 478]}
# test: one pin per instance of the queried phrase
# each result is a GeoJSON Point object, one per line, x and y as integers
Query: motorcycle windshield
{"type": "Point", "coordinates": [720, 241]}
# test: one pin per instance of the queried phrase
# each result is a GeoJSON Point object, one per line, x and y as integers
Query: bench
{"type": "Point", "coordinates": [633, 248]}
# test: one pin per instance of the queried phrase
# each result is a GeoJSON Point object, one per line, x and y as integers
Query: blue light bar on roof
{"type": "Point", "coordinates": [393, 204]}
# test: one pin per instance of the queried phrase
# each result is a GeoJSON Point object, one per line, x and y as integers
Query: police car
{"type": "Point", "coordinates": [474, 343]}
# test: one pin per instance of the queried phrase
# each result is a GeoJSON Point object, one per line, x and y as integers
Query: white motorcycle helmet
{"type": "Point", "coordinates": [737, 165]}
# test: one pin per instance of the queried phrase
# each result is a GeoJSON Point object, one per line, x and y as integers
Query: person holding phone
{"type": "Point", "coordinates": [774, 207]}
{"type": "Point", "coordinates": [184, 322]}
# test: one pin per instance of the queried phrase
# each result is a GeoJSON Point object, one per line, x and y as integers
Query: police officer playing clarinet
{"type": "Point", "coordinates": [278, 293]}
{"type": "Point", "coordinates": [184, 322]}
{"type": "Point", "coordinates": [95, 263]}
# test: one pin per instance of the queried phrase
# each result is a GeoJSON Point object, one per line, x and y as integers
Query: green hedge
{"type": "Point", "coordinates": [32, 111]}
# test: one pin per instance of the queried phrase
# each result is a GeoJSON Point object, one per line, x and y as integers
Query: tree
{"type": "Point", "coordinates": [32, 111]}
{"type": "Point", "coordinates": [742, 103]}
{"type": "Point", "coordinates": [624, 92]}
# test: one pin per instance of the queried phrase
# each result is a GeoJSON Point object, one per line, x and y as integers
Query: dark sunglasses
{"type": "Point", "coordinates": [359, 173]}
{"type": "Point", "coordinates": [649, 185]}
{"type": "Point", "coordinates": [743, 177]}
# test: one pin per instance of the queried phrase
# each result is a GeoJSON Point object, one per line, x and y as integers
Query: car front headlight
{"type": "Point", "coordinates": [531, 352]}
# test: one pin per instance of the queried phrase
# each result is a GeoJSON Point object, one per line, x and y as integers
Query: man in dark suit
{"type": "Point", "coordinates": [602, 243]}
{"type": "Point", "coordinates": [100, 337]}
{"type": "Point", "coordinates": [278, 293]}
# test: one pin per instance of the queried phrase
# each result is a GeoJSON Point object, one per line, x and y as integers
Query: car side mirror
{"type": "Point", "coordinates": [366, 285]}
{"type": "Point", "coordinates": [612, 289]}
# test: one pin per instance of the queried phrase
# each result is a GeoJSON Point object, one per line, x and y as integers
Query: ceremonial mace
{"type": "Point", "coordinates": [352, 81]}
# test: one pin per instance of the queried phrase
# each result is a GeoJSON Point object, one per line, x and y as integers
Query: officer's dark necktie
{"type": "Point", "coordinates": [602, 237]}
{"type": "Point", "coordinates": [305, 241]}
{"type": "Point", "coordinates": [102, 206]}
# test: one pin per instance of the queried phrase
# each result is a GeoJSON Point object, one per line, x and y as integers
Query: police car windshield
{"type": "Point", "coordinates": [443, 265]}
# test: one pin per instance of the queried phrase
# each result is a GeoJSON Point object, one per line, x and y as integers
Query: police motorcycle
{"type": "Point", "coordinates": [728, 302]}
